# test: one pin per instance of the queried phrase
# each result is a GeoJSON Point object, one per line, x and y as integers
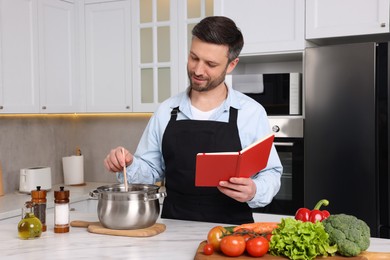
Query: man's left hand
{"type": "Point", "coordinates": [240, 189]}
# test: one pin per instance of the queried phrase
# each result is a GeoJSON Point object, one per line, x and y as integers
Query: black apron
{"type": "Point", "coordinates": [182, 140]}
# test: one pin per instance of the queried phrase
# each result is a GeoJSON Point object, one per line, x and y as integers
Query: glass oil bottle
{"type": "Point", "coordinates": [30, 226]}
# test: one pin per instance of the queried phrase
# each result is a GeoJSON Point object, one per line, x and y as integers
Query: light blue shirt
{"type": "Point", "coordinates": [148, 164]}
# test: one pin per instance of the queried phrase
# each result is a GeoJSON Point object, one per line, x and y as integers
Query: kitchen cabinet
{"type": "Point", "coordinates": [333, 18]}
{"type": "Point", "coordinates": [155, 58]}
{"type": "Point", "coordinates": [133, 59]}
{"type": "Point", "coordinates": [267, 26]}
{"type": "Point", "coordinates": [59, 80]}
{"type": "Point", "coordinates": [19, 85]}
{"type": "Point", "coordinates": [108, 50]}
{"type": "Point", "coordinates": [38, 57]}
{"type": "Point", "coordinates": [68, 56]}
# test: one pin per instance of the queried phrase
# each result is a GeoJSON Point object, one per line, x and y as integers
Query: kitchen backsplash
{"type": "Point", "coordinates": [42, 140]}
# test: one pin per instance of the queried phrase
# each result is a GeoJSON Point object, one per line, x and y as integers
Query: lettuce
{"type": "Point", "coordinates": [301, 240]}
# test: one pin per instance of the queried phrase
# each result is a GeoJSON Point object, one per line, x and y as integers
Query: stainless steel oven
{"type": "Point", "coordinates": [289, 143]}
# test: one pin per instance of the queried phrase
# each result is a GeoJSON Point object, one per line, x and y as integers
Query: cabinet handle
{"type": "Point", "coordinates": [1, 107]}
{"type": "Point", "coordinates": [383, 24]}
{"type": "Point", "coordinates": [127, 107]}
{"type": "Point", "coordinates": [43, 107]}
{"type": "Point", "coordinates": [289, 144]}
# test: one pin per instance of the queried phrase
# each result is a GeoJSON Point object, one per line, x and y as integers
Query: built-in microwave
{"type": "Point", "coordinates": [279, 93]}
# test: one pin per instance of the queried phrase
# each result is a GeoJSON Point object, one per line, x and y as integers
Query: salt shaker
{"type": "Point", "coordinates": [61, 211]}
{"type": "Point", "coordinates": [38, 199]}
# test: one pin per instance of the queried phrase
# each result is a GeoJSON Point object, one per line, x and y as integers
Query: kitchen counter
{"type": "Point", "coordinates": [11, 204]}
{"type": "Point", "coordinates": [179, 241]}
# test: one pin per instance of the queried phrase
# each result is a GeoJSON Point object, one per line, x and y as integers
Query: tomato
{"type": "Point", "coordinates": [268, 236]}
{"type": "Point", "coordinates": [257, 246]}
{"type": "Point", "coordinates": [233, 245]}
{"type": "Point", "coordinates": [214, 237]}
{"type": "Point", "coordinates": [208, 249]}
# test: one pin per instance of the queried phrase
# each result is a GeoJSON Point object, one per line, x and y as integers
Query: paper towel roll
{"type": "Point", "coordinates": [73, 167]}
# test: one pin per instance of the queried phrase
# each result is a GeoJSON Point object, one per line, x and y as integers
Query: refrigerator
{"type": "Point", "coordinates": [346, 153]}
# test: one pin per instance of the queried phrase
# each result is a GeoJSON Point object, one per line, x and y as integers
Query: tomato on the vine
{"type": "Point", "coordinates": [244, 232]}
{"type": "Point", "coordinates": [268, 236]}
{"type": "Point", "coordinates": [233, 245]}
{"type": "Point", "coordinates": [208, 249]}
{"type": "Point", "coordinates": [214, 237]}
{"type": "Point", "coordinates": [257, 246]}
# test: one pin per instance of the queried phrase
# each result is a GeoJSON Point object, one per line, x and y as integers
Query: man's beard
{"type": "Point", "coordinates": [210, 84]}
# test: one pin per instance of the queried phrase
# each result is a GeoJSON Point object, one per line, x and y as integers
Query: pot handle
{"type": "Point", "coordinates": [155, 196]}
{"type": "Point", "coordinates": [94, 194]}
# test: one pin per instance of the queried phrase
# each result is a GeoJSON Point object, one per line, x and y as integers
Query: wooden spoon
{"type": "Point", "coordinates": [124, 172]}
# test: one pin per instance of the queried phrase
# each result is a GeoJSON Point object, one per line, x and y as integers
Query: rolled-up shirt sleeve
{"type": "Point", "coordinates": [267, 182]}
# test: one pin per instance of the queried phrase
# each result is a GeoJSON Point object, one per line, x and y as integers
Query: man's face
{"type": "Point", "coordinates": [207, 65]}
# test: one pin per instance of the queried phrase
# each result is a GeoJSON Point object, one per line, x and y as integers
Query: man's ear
{"type": "Point", "coordinates": [232, 65]}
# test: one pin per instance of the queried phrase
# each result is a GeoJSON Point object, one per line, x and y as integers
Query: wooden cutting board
{"type": "Point", "coordinates": [219, 256]}
{"type": "Point", "coordinates": [97, 228]}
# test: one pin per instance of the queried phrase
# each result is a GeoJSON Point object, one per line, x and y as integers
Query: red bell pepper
{"type": "Point", "coordinates": [314, 215]}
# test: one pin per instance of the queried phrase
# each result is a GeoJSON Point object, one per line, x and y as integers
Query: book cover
{"type": "Point", "coordinates": [211, 168]}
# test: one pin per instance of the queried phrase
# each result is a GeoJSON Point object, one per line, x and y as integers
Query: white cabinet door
{"type": "Point", "coordinates": [18, 57]}
{"type": "Point", "coordinates": [108, 56]}
{"type": "Point", "coordinates": [155, 65]}
{"type": "Point", "coordinates": [38, 61]}
{"type": "Point", "coordinates": [267, 26]}
{"type": "Point", "coordinates": [334, 18]}
{"type": "Point", "coordinates": [58, 60]}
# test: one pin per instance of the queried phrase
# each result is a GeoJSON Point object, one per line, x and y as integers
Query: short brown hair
{"type": "Point", "coordinates": [220, 30]}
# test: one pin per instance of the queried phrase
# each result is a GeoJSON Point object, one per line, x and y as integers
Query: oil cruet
{"type": "Point", "coordinates": [30, 226]}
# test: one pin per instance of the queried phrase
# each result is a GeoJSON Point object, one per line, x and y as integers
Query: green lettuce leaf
{"type": "Point", "coordinates": [301, 240]}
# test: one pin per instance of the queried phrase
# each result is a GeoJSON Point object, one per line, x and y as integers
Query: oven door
{"type": "Point", "coordinates": [290, 196]}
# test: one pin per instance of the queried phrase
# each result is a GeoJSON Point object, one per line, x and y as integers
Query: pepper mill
{"type": "Point", "coordinates": [61, 211]}
{"type": "Point", "coordinates": [38, 198]}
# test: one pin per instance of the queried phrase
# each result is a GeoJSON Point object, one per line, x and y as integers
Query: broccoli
{"type": "Point", "coordinates": [350, 234]}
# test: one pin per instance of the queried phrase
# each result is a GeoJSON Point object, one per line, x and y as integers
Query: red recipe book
{"type": "Point", "coordinates": [221, 166]}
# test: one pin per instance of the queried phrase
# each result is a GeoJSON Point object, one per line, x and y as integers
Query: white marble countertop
{"type": "Point", "coordinates": [179, 241]}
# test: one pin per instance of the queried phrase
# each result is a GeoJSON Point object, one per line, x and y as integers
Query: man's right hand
{"type": "Point", "coordinates": [114, 161]}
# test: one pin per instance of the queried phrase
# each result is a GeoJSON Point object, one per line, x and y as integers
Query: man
{"type": "Point", "coordinates": [208, 116]}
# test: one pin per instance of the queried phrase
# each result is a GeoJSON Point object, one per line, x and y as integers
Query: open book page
{"type": "Point", "coordinates": [254, 158]}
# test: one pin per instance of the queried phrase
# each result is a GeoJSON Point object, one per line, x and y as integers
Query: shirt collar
{"type": "Point", "coordinates": [183, 101]}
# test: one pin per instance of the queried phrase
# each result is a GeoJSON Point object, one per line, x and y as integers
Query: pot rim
{"type": "Point", "coordinates": [120, 188]}
{"type": "Point", "coordinates": [143, 192]}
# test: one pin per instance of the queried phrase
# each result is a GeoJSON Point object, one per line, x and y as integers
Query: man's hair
{"type": "Point", "coordinates": [220, 30]}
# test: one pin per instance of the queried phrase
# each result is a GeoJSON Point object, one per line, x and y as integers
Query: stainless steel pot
{"type": "Point", "coordinates": [136, 208]}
